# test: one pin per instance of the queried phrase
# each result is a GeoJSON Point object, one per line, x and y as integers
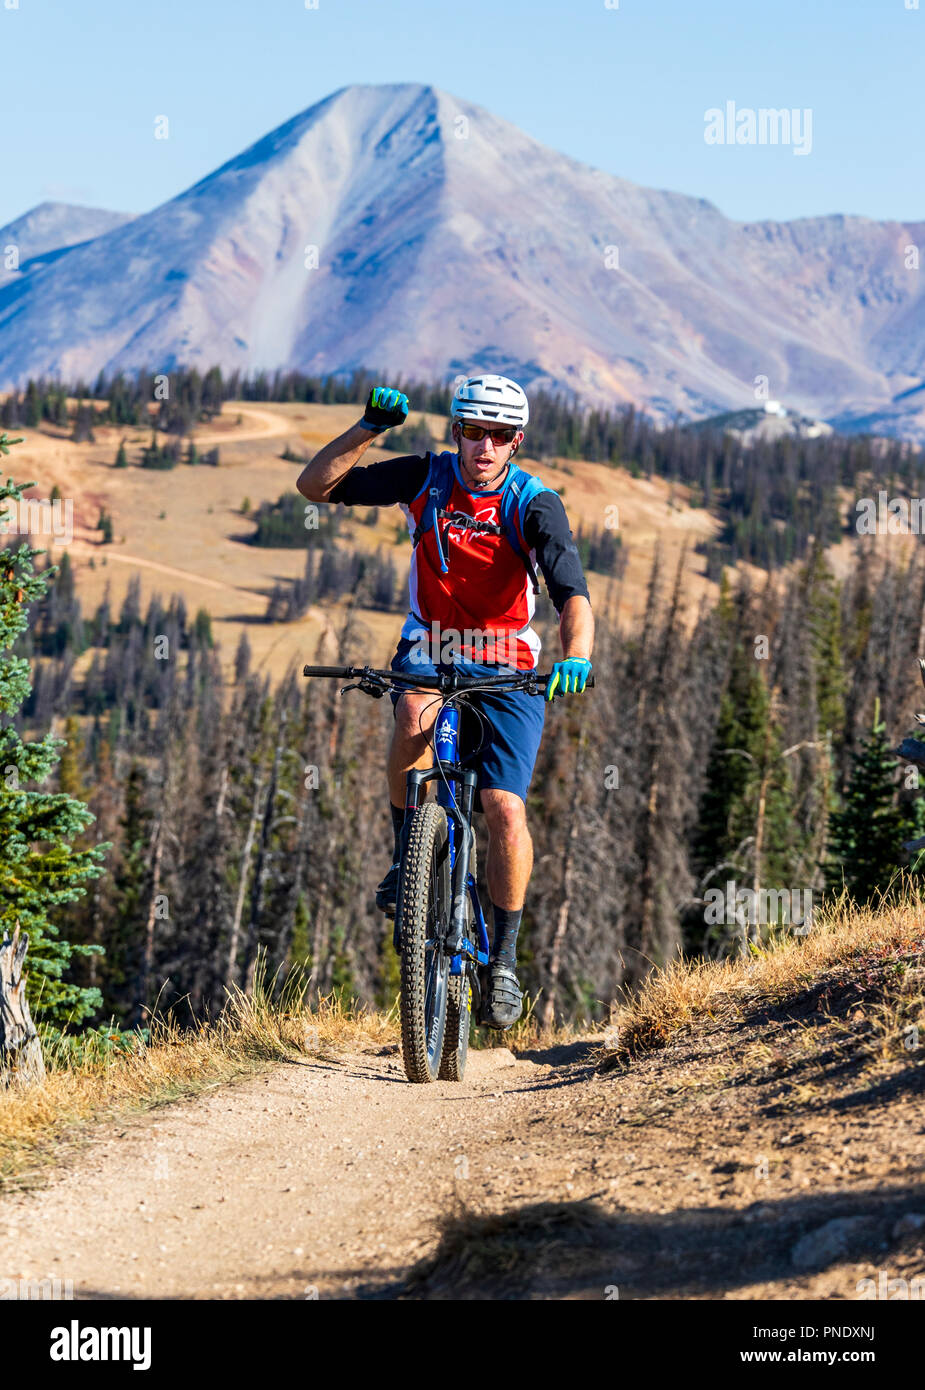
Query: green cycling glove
{"type": "Point", "coordinates": [569, 675]}
{"type": "Point", "coordinates": [386, 407]}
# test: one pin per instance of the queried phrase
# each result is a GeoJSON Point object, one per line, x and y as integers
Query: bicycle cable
{"type": "Point", "coordinates": [444, 702]}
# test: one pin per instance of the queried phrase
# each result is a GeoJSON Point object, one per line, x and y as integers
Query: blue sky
{"type": "Point", "coordinates": [624, 89]}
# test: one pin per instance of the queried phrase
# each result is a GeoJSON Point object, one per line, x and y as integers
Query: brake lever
{"type": "Point", "coordinates": [368, 686]}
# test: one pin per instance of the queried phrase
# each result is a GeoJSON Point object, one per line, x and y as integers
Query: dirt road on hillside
{"type": "Point", "coordinates": [81, 549]}
{"type": "Point", "coordinates": [332, 1175]}
{"type": "Point", "coordinates": [268, 426]}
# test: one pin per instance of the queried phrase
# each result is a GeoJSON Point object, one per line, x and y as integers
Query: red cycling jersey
{"type": "Point", "coordinates": [487, 589]}
{"type": "Point", "coordinates": [482, 608]}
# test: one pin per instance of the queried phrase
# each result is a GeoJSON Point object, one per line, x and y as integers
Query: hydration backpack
{"type": "Point", "coordinates": [518, 489]}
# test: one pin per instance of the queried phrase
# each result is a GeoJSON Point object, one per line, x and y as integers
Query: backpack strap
{"type": "Point", "coordinates": [521, 489]}
{"type": "Point", "coordinates": [439, 485]}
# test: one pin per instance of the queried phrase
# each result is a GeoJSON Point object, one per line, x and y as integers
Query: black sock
{"type": "Point", "coordinates": [398, 820]}
{"type": "Point", "coordinates": [507, 925]}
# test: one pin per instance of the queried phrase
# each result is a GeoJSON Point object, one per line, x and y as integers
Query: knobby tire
{"type": "Point", "coordinates": [424, 895]}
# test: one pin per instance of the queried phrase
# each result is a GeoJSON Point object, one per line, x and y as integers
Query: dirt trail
{"type": "Point", "coordinates": [683, 1176]}
{"type": "Point", "coordinates": [321, 1173]}
{"type": "Point", "coordinates": [81, 548]}
{"type": "Point", "coordinates": [270, 426]}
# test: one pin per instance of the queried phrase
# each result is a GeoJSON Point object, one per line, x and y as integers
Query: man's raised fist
{"type": "Point", "coordinates": [386, 407]}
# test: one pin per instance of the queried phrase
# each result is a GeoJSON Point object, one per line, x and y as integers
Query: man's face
{"type": "Point", "coordinates": [483, 459]}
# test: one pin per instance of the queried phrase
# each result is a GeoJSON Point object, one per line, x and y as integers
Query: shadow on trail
{"type": "Point", "coordinates": [561, 1055]}
{"type": "Point", "coordinates": [577, 1249]}
{"type": "Point", "coordinates": [567, 1250]}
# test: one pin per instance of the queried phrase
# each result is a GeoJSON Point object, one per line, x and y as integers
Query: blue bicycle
{"type": "Point", "coordinates": [440, 930]}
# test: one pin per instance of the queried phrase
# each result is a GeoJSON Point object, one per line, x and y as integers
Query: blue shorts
{"type": "Point", "coordinates": [513, 725]}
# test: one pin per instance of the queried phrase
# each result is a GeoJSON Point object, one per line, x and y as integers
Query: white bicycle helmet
{"type": "Point", "coordinates": [496, 399]}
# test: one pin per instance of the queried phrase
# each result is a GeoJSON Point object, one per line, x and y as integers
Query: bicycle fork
{"type": "Point", "coordinates": [459, 828]}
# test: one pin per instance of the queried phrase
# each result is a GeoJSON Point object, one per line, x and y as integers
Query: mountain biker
{"type": "Point", "coordinates": [469, 579]}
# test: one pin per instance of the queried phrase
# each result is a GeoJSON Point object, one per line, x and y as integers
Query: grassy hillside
{"type": "Point", "coordinates": [182, 531]}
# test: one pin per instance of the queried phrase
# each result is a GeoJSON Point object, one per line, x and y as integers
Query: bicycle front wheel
{"type": "Point", "coordinates": [459, 1004]}
{"type": "Point", "coordinates": [422, 912]}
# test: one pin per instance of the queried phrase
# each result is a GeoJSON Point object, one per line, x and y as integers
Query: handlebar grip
{"type": "Point", "coordinates": [588, 683]}
{"type": "Point", "coordinates": [541, 689]}
{"type": "Point", "coordinates": [340, 671]}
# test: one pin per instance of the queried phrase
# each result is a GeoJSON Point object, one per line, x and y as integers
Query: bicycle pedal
{"type": "Point", "coordinates": [386, 908]}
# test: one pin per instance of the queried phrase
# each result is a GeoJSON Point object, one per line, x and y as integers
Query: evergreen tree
{"type": "Point", "coordinates": [745, 830]}
{"type": "Point", "coordinates": [868, 831]}
{"type": "Point", "coordinates": [83, 425]}
{"type": "Point", "coordinates": [39, 868]}
{"type": "Point", "coordinates": [70, 767]}
{"type": "Point", "coordinates": [132, 884]}
{"type": "Point", "coordinates": [32, 410]}
{"type": "Point", "coordinates": [825, 627]}
{"type": "Point", "coordinates": [202, 628]}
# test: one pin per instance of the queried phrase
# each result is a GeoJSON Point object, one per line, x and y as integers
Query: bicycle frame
{"type": "Point", "coordinates": [445, 773]}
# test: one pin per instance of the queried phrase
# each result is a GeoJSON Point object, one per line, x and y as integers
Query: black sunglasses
{"type": "Point", "coordinates": [501, 434]}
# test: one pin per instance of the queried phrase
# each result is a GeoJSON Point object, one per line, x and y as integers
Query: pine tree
{"type": "Point", "coordinates": [39, 867]}
{"type": "Point", "coordinates": [202, 628]}
{"type": "Point", "coordinates": [70, 773]}
{"type": "Point", "coordinates": [868, 830]}
{"type": "Point", "coordinates": [132, 885]}
{"type": "Point", "coordinates": [824, 617]}
{"type": "Point", "coordinates": [83, 425]}
{"type": "Point", "coordinates": [32, 411]}
{"type": "Point", "coordinates": [745, 830]}
{"type": "Point", "coordinates": [745, 749]}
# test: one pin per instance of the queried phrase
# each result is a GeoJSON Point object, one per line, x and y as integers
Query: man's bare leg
{"type": "Point", "coordinates": [415, 711]}
{"type": "Point", "coordinates": [510, 848]}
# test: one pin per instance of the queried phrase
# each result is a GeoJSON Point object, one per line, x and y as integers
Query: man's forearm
{"type": "Point", "coordinates": [576, 627]}
{"type": "Point", "coordinates": [333, 462]}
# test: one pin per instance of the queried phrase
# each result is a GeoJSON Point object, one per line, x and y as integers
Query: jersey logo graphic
{"type": "Point", "coordinates": [488, 512]}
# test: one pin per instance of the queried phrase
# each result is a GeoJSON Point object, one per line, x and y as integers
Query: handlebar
{"type": "Point", "coordinates": [375, 682]}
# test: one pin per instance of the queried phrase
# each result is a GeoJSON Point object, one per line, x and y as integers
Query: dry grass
{"type": "Point", "coordinates": [879, 950]}
{"type": "Point", "coordinates": [254, 1031]}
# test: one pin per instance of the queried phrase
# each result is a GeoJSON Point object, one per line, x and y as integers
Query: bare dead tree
{"type": "Point", "coordinates": [21, 1061]}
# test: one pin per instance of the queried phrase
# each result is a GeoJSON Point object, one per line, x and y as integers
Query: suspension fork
{"type": "Point", "coordinates": [459, 829]}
